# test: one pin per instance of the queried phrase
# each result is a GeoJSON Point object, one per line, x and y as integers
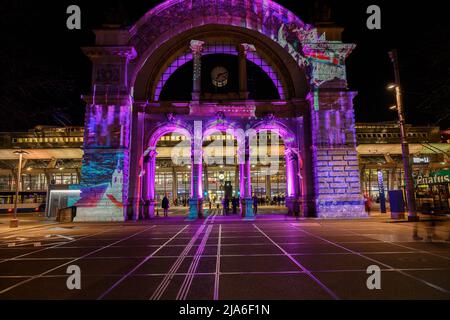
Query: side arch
{"type": "Point", "coordinates": [166, 128]}
{"type": "Point", "coordinates": [287, 134]}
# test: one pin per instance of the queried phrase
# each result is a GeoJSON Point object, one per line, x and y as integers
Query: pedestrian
{"type": "Point", "coordinates": [165, 206]}
{"type": "Point", "coordinates": [255, 205]}
{"type": "Point", "coordinates": [367, 203]}
{"type": "Point", "coordinates": [234, 203]}
{"type": "Point", "coordinates": [226, 205]}
{"type": "Point", "coordinates": [141, 210]}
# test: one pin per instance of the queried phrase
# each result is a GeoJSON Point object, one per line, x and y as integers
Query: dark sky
{"type": "Point", "coordinates": [43, 71]}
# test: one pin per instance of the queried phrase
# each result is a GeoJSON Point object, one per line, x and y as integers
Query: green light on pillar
{"type": "Point", "coordinates": [316, 99]}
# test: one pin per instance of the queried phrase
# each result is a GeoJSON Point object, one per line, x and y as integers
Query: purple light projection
{"type": "Point", "coordinates": [333, 153]}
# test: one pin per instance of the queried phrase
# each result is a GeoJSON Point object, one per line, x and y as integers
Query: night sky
{"type": "Point", "coordinates": [43, 72]}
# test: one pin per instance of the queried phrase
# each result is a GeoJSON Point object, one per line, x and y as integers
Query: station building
{"type": "Point", "coordinates": [55, 155]}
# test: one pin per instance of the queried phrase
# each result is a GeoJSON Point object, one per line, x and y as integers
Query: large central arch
{"type": "Point", "coordinates": [308, 70]}
{"type": "Point", "coordinates": [264, 21]}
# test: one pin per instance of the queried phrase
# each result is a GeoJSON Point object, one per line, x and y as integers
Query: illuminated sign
{"type": "Point", "coordinates": [421, 160]}
{"type": "Point", "coordinates": [435, 179]}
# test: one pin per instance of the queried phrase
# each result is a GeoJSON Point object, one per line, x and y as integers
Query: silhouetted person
{"type": "Point", "coordinates": [226, 205]}
{"type": "Point", "coordinates": [255, 205]}
{"type": "Point", "coordinates": [146, 209]}
{"type": "Point", "coordinates": [234, 203]}
{"type": "Point", "coordinates": [165, 206]}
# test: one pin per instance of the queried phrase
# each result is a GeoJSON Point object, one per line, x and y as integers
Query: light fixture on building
{"type": "Point", "coordinates": [391, 86]}
{"type": "Point", "coordinates": [393, 108]}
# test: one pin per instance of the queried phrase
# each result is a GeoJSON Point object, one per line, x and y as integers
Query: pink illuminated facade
{"type": "Point", "coordinates": [311, 110]}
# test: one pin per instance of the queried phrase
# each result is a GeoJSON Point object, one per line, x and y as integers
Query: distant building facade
{"type": "Point", "coordinates": [55, 159]}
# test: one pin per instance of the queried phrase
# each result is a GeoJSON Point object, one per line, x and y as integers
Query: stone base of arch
{"type": "Point", "coordinates": [247, 208]}
{"type": "Point", "coordinates": [293, 205]}
{"type": "Point", "coordinates": [104, 180]}
{"type": "Point", "coordinates": [195, 209]}
{"type": "Point", "coordinates": [339, 194]}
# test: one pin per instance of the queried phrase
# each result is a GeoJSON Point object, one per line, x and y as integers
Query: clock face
{"type": "Point", "coordinates": [219, 76]}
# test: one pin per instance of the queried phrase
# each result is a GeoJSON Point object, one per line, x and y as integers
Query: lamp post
{"type": "Point", "coordinates": [412, 215]}
{"type": "Point", "coordinates": [14, 223]}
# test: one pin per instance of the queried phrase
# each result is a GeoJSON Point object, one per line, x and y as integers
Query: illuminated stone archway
{"type": "Point", "coordinates": [148, 164]}
{"type": "Point", "coordinates": [293, 160]}
{"type": "Point", "coordinates": [316, 108]}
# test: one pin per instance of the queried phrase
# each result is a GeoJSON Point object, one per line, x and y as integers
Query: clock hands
{"type": "Point", "coordinates": [221, 74]}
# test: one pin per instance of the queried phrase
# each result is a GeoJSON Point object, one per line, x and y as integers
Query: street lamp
{"type": "Point", "coordinates": [412, 215]}
{"type": "Point", "coordinates": [14, 223]}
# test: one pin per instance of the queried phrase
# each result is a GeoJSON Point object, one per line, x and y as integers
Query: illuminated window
{"type": "Point", "coordinates": [220, 48]}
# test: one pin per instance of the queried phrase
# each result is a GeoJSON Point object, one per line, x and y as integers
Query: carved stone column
{"type": "Point", "coordinates": [243, 50]}
{"type": "Point", "coordinates": [268, 187]}
{"type": "Point", "coordinates": [205, 180]}
{"type": "Point", "coordinates": [237, 185]}
{"type": "Point", "coordinates": [197, 48]}
{"type": "Point", "coordinates": [174, 185]}
{"type": "Point", "coordinates": [196, 200]}
{"type": "Point", "coordinates": [245, 180]}
{"type": "Point", "coordinates": [150, 182]}
{"type": "Point", "coordinates": [292, 182]}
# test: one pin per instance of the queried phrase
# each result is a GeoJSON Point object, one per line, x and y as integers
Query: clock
{"type": "Point", "coordinates": [219, 76]}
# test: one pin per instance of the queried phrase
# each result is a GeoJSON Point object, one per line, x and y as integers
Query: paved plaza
{"type": "Point", "coordinates": [221, 258]}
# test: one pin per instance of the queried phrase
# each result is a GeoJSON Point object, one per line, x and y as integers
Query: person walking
{"type": "Point", "coordinates": [165, 206]}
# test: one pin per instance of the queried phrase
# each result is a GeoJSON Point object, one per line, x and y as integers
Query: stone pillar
{"type": "Point", "coordinates": [292, 182]}
{"type": "Point", "coordinates": [174, 185]}
{"type": "Point", "coordinates": [150, 182]}
{"type": "Point", "coordinates": [143, 187]}
{"type": "Point", "coordinates": [237, 185]}
{"type": "Point", "coordinates": [308, 191]}
{"type": "Point", "coordinates": [196, 200]}
{"type": "Point", "coordinates": [105, 176]}
{"type": "Point", "coordinates": [243, 49]}
{"type": "Point", "coordinates": [268, 187]}
{"type": "Point", "coordinates": [197, 48]}
{"type": "Point", "coordinates": [337, 181]}
{"type": "Point", "coordinates": [245, 179]}
{"type": "Point", "coordinates": [205, 180]}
